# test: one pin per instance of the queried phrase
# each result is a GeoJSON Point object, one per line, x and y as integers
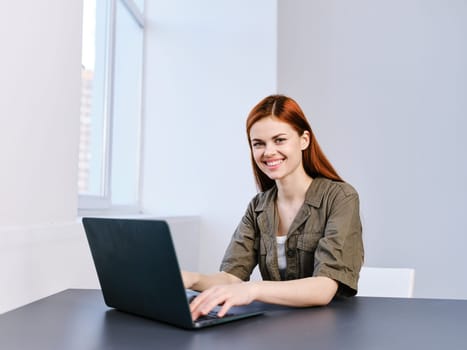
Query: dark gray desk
{"type": "Point", "coordinates": [78, 319]}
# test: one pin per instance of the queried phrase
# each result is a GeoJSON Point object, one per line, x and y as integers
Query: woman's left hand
{"type": "Point", "coordinates": [227, 295]}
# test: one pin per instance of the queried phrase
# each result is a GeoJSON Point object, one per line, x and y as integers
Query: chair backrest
{"type": "Point", "coordinates": [386, 282]}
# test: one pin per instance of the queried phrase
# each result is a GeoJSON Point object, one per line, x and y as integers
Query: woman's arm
{"type": "Point", "coordinates": [310, 291]}
{"type": "Point", "coordinates": [201, 282]}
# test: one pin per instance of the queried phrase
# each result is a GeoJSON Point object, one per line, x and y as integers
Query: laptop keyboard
{"type": "Point", "coordinates": [212, 315]}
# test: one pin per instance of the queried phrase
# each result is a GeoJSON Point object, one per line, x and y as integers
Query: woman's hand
{"type": "Point", "coordinates": [226, 295]}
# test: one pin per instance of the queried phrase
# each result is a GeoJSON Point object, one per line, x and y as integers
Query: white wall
{"type": "Point", "coordinates": [384, 84]}
{"type": "Point", "coordinates": [208, 63]}
{"type": "Point", "coordinates": [40, 240]}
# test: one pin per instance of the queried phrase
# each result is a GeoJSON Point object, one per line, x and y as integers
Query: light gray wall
{"type": "Point", "coordinates": [384, 84]}
{"type": "Point", "coordinates": [208, 63]}
{"type": "Point", "coordinates": [40, 94]}
{"type": "Point", "coordinates": [42, 247]}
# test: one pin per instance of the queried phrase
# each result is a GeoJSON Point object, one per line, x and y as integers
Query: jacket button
{"type": "Point", "coordinates": [290, 253]}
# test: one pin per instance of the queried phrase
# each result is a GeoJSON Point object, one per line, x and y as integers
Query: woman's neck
{"type": "Point", "coordinates": [293, 189]}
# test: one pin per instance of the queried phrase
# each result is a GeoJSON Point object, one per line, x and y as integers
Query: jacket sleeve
{"type": "Point", "coordinates": [241, 255]}
{"type": "Point", "coordinates": [339, 254]}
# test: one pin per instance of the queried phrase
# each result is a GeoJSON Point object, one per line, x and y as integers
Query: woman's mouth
{"type": "Point", "coordinates": [272, 164]}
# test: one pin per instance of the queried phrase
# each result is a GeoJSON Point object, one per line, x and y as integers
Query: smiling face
{"type": "Point", "coordinates": [277, 148]}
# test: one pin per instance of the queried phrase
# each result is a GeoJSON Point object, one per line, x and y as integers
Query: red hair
{"type": "Point", "coordinates": [287, 110]}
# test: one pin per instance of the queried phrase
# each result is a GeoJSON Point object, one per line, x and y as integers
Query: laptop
{"type": "Point", "coordinates": [139, 273]}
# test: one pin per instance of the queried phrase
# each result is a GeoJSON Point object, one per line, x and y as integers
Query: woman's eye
{"type": "Point", "coordinates": [257, 144]}
{"type": "Point", "coordinates": [280, 140]}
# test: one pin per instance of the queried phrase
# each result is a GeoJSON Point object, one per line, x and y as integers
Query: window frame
{"type": "Point", "coordinates": [102, 204]}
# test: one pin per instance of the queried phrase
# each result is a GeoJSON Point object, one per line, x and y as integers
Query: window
{"type": "Point", "coordinates": [110, 132]}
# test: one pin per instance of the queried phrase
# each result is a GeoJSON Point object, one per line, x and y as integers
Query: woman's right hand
{"type": "Point", "coordinates": [227, 295]}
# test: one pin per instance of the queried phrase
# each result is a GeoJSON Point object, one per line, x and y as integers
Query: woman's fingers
{"type": "Point", "coordinates": [225, 295]}
{"type": "Point", "coordinates": [207, 301]}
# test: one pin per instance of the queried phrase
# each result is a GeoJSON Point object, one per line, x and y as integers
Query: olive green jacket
{"type": "Point", "coordinates": [325, 238]}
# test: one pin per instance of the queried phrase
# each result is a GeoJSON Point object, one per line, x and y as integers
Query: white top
{"type": "Point", "coordinates": [281, 260]}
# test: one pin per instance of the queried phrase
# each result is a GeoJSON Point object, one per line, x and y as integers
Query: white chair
{"type": "Point", "coordinates": [386, 282]}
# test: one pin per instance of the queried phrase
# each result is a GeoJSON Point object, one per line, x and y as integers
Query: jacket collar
{"type": "Point", "coordinates": [314, 195]}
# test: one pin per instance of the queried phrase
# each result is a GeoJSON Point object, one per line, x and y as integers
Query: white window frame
{"type": "Point", "coordinates": [93, 204]}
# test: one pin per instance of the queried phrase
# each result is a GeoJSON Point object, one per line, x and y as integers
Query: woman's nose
{"type": "Point", "coordinates": [269, 150]}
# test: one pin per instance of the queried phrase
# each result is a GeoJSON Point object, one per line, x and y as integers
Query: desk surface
{"type": "Point", "coordinates": [78, 319]}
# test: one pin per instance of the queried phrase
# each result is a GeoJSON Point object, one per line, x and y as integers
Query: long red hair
{"type": "Point", "coordinates": [287, 110]}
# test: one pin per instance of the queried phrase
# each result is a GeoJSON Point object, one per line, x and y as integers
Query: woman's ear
{"type": "Point", "coordinates": [305, 140]}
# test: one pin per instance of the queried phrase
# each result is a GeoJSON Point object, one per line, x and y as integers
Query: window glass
{"type": "Point", "coordinates": [126, 108]}
{"type": "Point", "coordinates": [92, 148]}
{"type": "Point", "coordinates": [110, 119]}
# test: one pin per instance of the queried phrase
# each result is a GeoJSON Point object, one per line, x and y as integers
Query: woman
{"type": "Point", "coordinates": [303, 228]}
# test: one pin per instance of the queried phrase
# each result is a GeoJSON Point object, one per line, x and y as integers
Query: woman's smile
{"type": "Point", "coordinates": [273, 164]}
